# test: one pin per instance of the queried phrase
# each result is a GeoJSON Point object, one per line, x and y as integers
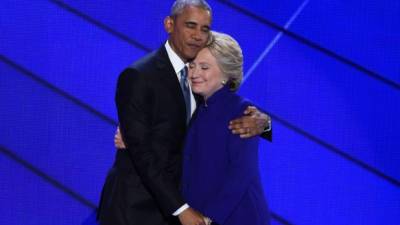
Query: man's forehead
{"type": "Point", "coordinates": [195, 12]}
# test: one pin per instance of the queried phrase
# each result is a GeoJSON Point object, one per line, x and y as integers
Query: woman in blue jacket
{"type": "Point", "coordinates": [220, 170]}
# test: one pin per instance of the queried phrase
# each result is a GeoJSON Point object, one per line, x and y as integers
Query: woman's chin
{"type": "Point", "coordinates": [197, 91]}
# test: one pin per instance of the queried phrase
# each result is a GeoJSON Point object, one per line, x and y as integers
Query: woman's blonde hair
{"type": "Point", "coordinates": [229, 57]}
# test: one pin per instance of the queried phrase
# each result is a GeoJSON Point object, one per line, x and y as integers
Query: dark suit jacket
{"type": "Point", "coordinates": [143, 186]}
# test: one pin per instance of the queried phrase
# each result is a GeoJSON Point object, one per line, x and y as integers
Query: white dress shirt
{"type": "Point", "coordinates": [178, 65]}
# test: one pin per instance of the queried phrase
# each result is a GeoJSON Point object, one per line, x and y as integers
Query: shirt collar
{"type": "Point", "coordinates": [176, 61]}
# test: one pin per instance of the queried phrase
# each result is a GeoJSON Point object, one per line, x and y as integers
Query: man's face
{"type": "Point", "coordinates": [188, 31]}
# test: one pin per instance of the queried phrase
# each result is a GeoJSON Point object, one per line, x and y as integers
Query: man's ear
{"type": "Point", "coordinates": [168, 24]}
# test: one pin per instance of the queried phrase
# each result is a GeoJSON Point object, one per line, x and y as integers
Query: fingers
{"type": "Point", "coordinates": [242, 124]}
{"type": "Point", "coordinates": [246, 126]}
{"type": "Point", "coordinates": [244, 131]}
{"type": "Point", "coordinates": [191, 217]}
{"type": "Point", "coordinates": [250, 110]}
{"type": "Point", "coordinates": [248, 133]}
{"type": "Point", "coordinates": [118, 142]}
{"type": "Point", "coordinates": [207, 221]}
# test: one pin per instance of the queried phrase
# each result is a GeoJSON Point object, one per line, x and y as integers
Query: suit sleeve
{"type": "Point", "coordinates": [243, 169]}
{"type": "Point", "coordinates": [135, 108]}
{"type": "Point", "coordinates": [267, 135]}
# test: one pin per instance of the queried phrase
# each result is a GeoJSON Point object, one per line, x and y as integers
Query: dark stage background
{"type": "Point", "coordinates": [327, 71]}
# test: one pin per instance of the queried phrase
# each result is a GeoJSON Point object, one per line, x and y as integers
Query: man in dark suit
{"type": "Point", "coordinates": [154, 105]}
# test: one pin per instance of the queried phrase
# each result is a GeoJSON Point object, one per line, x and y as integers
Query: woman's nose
{"type": "Point", "coordinates": [192, 72]}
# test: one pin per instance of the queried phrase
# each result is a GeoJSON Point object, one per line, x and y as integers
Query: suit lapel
{"type": "Point", "coordinates": [169, 78]}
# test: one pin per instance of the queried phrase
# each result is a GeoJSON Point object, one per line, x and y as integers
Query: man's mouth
{"type": "Point", "coordinates": [194, 46]}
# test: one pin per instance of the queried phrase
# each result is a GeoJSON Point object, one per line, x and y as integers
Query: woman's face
{"type": "Point", "coordinates": [204, 74]}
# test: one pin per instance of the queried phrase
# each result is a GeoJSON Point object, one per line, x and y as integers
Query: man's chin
{"type": "Point", "coordinates": [191, 57]}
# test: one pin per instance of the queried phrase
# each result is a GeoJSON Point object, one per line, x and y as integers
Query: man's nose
{"type": "Point", "coordinates": [197, 35]}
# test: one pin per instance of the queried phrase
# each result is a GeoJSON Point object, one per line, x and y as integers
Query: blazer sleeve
{"type": "Point", "coordinates": [243, 169]}
{"type": "Point", "coordinates": [134, 104]}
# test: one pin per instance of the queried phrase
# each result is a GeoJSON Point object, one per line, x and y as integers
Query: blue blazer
{"type": "Point", "coordinates": [220, 170]}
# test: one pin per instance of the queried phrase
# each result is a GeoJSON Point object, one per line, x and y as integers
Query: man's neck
{"type": "Point", "coordinates": [176, 52]}
{"type": "Point", "coordinates": [176, 61]}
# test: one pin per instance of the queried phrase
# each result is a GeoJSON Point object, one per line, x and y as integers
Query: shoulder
{"type": "Point", "coordinates": [146, 62]}
{"type": "Point", "coordinates": [152, 61]}
{"type": "Point", "coordinates": [239, 103]}
{"type": "Point", "coordinates": [130, 76]}
{"type": "Point", "coordinates": [140, 69]}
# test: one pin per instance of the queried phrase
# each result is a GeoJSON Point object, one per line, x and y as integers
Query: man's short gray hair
{"type": "Point", "coordinates": [179, 5]}
{"type": "Point", "coordinates": [229, 57]}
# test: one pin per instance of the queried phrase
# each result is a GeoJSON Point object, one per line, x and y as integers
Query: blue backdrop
{"type": "Point", "coordinates": [328, 72]}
